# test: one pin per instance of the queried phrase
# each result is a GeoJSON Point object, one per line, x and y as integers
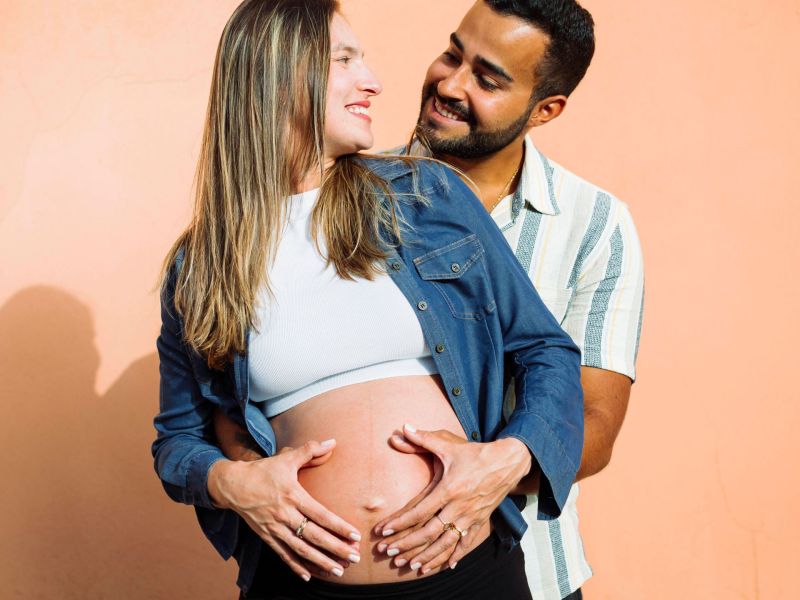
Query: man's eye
{"type": "Point", "coordinates": [450, 57]}
{"type": "Point", "coordinates": [487, 84]}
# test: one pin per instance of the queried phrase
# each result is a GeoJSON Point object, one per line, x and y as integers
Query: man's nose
{"type": "Point", "coordinates": [452, 86]}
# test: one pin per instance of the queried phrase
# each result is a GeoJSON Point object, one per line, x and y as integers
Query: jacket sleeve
{"type": "Point", "coordinates": [544, 361]}
{"type": "Point", "coordinates": [182, 450]}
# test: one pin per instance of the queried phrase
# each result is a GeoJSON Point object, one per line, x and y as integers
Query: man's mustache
{"type": "Point", "coordinates": [456, 108]}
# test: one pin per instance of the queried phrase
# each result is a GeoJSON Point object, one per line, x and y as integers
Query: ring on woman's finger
{"type": "Point", "coordinates": [448, 526]}
{"type": "Point", "coordinates": [299, 531]}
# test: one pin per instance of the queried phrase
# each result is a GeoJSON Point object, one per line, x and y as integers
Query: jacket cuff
{"type": "Point", "coordinates": [558, 470]}
{"type": "Point", "coordinates": [197, 477]}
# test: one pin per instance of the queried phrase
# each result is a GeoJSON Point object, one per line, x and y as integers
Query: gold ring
{"type": "Point", "coordinates": [453, 527]}
{"type": "Point", "coordinates": [299, 531]}
{"type": "Point", "coordinates": [445, 526]}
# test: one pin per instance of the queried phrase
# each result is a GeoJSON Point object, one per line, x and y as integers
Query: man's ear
{"type": "Point", "coordinates": [546, 110]}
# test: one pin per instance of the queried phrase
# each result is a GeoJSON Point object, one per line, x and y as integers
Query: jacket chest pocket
{"type": "Point", "coordinates": [458, 272]}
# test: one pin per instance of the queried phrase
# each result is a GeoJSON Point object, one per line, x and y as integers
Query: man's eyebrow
{"type": "Point", "coordinates": [486, 64]}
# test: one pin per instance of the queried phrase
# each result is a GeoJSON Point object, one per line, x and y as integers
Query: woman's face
{"type": "Point", "coordinates": [348, 127]}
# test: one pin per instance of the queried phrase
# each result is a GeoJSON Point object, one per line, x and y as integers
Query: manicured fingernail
{"type": "Point", "coordinates": [305, 577]}
{"type": "Point", "coordinates": [453, 566]}
{"type": "Point", "coordinates": [399, 562]}
{"type": "Point", "coordinates": [355, 536]}
{"type": "Point", "coordinates": [415, 566]}
{"type": "Point", "coordinates": [382, 547]}
{"type": "Point", "coordinates": [410, 428]}
{"type": "Point", "coordinates": [393, 552]}
{"type": "Point", "coordinates": [425, 570]}
{"type": "Point", "coordinates": [337, 571]}
{"type": "Point", "coordinates": [354, 558]}
{"type": "Point", "coordinates": [327, 443]}
{"type": "Point", "coordinates": [387, 532]}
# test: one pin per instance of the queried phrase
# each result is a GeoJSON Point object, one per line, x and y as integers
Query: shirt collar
{"type": "Point", "coordinates": [535, 185]}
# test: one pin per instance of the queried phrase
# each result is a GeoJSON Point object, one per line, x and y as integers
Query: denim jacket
{"type": "Point", "coordinates": [483, 322]}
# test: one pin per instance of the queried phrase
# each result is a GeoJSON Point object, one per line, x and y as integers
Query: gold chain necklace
{"type": "Point", "coordinates": [503, 191]}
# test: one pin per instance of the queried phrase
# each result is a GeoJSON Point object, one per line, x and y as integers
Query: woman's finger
{"type": "Point", "coordinates": [334, 546]}
{"type": "Point", "coordinates": [422, 536]}
{"type": "Point", "coordinates": [437, 553]}
{"type": "Point", "coordinates": [310, 554]}
{"type": "Point", "coordinates": [402, 559]}
{"type": "Point", "coordinates": [381, 529]}
{"type": "Point", "coordinates": [289, 557]}
{"type": "Point", "coordinates": [325, 518]}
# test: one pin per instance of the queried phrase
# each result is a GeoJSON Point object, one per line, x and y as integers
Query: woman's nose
{"type": "Point", "coordinates": [370, 84]}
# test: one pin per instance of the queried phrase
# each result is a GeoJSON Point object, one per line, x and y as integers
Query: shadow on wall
{"type": "Point", "coordinates": [84, 515]}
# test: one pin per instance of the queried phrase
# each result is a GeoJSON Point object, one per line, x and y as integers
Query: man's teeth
{"type": "Point", "coordinates": [358, 110]}
{"type": "Point", "coordinates": [443, 111]}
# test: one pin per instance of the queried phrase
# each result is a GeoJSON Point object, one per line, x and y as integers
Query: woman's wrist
{"type": "Point", "coordinates": [218, 477]}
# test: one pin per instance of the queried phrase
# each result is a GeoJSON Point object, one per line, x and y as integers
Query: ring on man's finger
{"type": "Point", "coordinates": [299, 531]}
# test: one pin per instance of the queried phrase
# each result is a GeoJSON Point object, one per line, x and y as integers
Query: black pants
{"type": "Point", "coordinates": [486, 573]}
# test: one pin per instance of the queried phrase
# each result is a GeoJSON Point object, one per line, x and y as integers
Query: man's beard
{"type": "Point", "coordinates": [476, 143]}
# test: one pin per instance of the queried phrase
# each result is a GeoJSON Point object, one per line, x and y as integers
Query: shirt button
{"type": "Point", "coordinates": [476, 436]}
{"type": "Point", "coordinates": [396, 266]}
{"type": "Point", "coordinates": [455, 267]}
{"type": "Point", "coordinates": [422, 305]}
{"type": "Point", "coordinates": [439, 348]}
{"type": "Point", "coordinates": [456, 391]}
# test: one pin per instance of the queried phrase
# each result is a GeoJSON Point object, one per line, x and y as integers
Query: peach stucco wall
{"type": "Point", "coordinates": [689, 113]}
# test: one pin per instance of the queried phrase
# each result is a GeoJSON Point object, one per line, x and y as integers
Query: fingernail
{"type": "Point", "coordinates": [305, 577]}
{"type": "Point", "coordinates": [387, 532]}
{"type": "Point", "coordinates": [453, 566]}
{"type": "Point", "coordinates": [415, 566]}
{"type": "Point", "coordinates": [355, 536]}
{"type": "Point", "coordinates": [392, 552]}
{"type": "Point", "coordinates": [337, 571]}
{"type": "Point", "coordinates": [382, 547]}
{"type": "Point", "coordinates": [327, 443]}
{"type": "Point", "coordinates": [399, 562]}
{"type": "Point", "coordinates": [425, 570]}
{"type": "Point", "coordinates": [354, 558]}
{"type": "Point", "coordinates": [410, 428]}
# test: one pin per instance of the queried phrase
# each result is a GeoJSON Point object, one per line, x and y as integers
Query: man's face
{"type": "Point", "coordinates": [476, 98]}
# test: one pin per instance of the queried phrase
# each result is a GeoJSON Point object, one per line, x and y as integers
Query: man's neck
{"type": "Point", "coordinates": [493, 174]}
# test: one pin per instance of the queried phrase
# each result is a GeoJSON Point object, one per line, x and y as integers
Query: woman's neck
{"type": "Point", "coordinates": [313, 179]}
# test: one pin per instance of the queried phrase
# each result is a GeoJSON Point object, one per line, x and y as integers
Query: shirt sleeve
{"type": "Point", "coordinates": [605, 312]}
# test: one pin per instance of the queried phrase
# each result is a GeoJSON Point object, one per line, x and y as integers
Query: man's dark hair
{"type": "Point", "coordinates": [570, 28]}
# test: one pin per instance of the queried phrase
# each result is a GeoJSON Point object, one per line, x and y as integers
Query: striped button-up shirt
{"type": "Point", "coordinates": [579, 246]}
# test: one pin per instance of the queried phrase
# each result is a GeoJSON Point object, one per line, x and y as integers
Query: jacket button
{"type": "Point", "coordinates": [455, 267]}
{"type": "Point", "coordinates": [456, 391]}
{"type": "Point", "coordinates": [422, 305]}
{"type": "Point", "coordinates": [439, 348]}
{"type": "Point", "coordinates": [396, 266]}
{"type": "Point", "coordinates": [476, 436]}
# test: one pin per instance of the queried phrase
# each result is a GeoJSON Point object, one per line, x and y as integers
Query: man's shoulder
{"type": "Point", "coordinates": [575, 194]}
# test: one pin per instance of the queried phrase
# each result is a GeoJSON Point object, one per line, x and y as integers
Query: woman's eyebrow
{"type": "Point", "coordinates": [347, 48]}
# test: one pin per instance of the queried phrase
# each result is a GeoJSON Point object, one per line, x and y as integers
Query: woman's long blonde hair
{"type": "Point", "coordinates": [263, 134]}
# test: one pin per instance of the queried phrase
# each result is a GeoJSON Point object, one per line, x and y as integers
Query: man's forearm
{"type": "Point", "coordinates": [234, 440]}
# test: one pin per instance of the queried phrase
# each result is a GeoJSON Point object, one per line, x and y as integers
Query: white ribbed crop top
{"type": "Point", "coordinates": [320, 332]}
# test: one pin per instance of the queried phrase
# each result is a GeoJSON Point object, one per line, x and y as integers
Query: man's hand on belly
{"type": "Point", "coordinates": [475, 478]}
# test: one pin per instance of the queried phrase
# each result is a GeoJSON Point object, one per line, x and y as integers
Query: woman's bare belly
{"type": "Point", "coordinates": [366, 479]}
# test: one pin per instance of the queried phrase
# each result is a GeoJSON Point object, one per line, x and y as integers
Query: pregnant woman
{"type": "Point", "coordinates": [321, 299]}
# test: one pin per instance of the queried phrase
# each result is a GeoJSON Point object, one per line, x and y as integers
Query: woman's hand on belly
{"type": "Point", "coordinates": [475, 478]}
{"type": "Point", "coordinates": [266, 493]}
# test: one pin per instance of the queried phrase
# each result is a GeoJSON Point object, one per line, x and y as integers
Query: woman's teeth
{"type": "Point", "coordinates": [444, 112]}
{"type": "Point", "coordinates": [358, 110]}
